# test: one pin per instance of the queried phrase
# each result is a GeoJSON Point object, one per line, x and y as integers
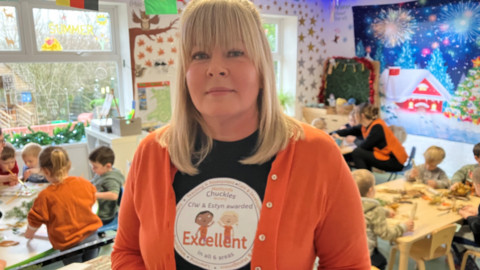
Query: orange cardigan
{"type": "Point", "coordinates": [66, 209]}
{"type": "Point", "coordinates": [316, 211]}
{"type": "Point", "coordinates": [393, 144]}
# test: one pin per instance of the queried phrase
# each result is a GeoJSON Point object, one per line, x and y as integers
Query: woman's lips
{"type": "Point", "coordinates": [219, 91]}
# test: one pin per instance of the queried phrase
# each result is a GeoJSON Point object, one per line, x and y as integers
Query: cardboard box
{"type": "Point", "coordinates": [126, 127]}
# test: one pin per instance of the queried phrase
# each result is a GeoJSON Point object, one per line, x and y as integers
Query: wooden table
{"type": "Point", "coordinates": [429, 218]}
{"type": "Point", "coordinates": [27, 250]}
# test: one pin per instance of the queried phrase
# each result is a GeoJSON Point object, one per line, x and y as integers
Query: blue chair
{"type": "Point", "coordinates": [407, 167]}
{"type": "Point", "coordinates": [112, 226]}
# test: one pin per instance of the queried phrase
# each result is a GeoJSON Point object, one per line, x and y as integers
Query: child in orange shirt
{"type": "Point", "coordinates": [65, 207]}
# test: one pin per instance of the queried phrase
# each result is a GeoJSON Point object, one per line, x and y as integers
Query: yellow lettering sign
{"type": "Point", "coordinates": [63, 29]}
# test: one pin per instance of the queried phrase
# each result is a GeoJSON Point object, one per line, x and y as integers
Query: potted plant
{"type": "Point", "coordinates": [286, 99]}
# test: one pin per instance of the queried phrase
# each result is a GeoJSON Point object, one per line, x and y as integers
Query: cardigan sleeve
{"type": "Point", "coordinates": [341, 239]}
{"type": "Point", "coordinates": [126, 251]}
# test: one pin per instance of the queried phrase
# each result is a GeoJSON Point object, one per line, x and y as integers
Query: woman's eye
{"type": "Point", "coordinates": [235, 53]}
{"type": "Point", "coordinates": [200, 56]}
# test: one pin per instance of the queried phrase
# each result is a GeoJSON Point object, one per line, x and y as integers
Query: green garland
{"type": "Point", "coordinates": [61, 135]}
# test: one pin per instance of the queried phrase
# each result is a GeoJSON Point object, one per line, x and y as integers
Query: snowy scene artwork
{"type": "Point", "coordinates": [429, 53]}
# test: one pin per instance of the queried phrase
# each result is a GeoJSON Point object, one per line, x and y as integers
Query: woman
{"type": "Point", "coordinates": [229, 147]}
{"type": "Point", "coordinates": [380, 149]}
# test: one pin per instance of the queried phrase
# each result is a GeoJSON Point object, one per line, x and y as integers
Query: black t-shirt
{"type": "Point", "coordinates": [223, 162]}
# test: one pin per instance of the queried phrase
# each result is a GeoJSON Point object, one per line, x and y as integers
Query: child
{"type": "Point", "coordinates": [65, 207]}
{"type": "Point", "coordinates": [375, 218]}
{"type": "Point", "coordinates": [429, 173]}
{"type": "Point", "coordinates": [464, 175]}
{"type": "Point", "coordinates": [31, 172]}
{"type": "Point", "coordinates": [8, 164]}
{"type": "Point", "coordinates": [468, 237]}
{"type": "Point", "coordinates": [319, 123]}
{"type": "Point", "coordinates": [108, 182]}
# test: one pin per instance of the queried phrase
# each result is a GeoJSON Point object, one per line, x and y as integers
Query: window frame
{"type": "Point", "coordinates": [30, 54]}
{"type": "Point", "coordinates": [277, 56]}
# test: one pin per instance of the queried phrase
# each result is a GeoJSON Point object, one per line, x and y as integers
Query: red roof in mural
{"type": "Point", "coordinates": [426, 88]}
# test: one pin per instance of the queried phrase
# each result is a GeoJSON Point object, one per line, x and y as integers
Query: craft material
{"type": "Point", "coordinates": [20, 212]}
{"type": "Point", "coordinates": [461, 190]}
{"type": "Point", "coordinates": [8, 243]}
{"type": "Point", "coordinates": [413, 212]}
{"type": "Point", "coordinates": [436, 200]}
{"type": "Point", "coordinates": [433, 191]}
{"type": "Point", "coordinates": [12, 199]}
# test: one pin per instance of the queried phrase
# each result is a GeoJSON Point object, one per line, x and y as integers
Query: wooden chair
{"type": "Point", "coordinates": [465, 257]}
{"type": "Point", "coordinates": [427, 249]}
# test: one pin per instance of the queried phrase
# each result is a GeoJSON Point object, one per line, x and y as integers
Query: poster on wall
{"type": "Point", "coordinates": [154, 103]}
{"type": "Point", "coordinates": [430, 65]}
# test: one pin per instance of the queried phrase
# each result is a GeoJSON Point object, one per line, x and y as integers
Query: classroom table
{"type": "Point", "coordinates": [429, 218]}
{"type": "Point", "coordinates": [27, 250]}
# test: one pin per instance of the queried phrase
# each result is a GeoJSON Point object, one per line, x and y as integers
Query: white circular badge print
{"type": "Point", "coordinates": [216, 224]}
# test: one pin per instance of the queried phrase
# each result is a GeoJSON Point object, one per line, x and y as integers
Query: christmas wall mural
{"type": "Point", "coordinates": [429, 52]}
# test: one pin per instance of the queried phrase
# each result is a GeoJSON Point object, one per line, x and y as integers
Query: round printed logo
{"type": "Point", "coordinates": [216, 224]}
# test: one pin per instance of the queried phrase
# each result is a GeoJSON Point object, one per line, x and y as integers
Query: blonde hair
{"type": "Point", "coordinates": [365, 180]}
{"type": "Point", "coordinates": [207, 24]}
{"type": "Point", "coordinates": [319, 123]}
{"type": "Point", "coordinates": [231, 213]}
{"type": "Point", "coordinates": [434, 154]}
{"type": "Point", "coordinates": [32, 150]}
{"type": "Point", "coordinates": [55, 159]}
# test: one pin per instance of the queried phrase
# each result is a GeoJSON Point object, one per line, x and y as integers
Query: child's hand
{"type": "Point", "coordinates": [350, 139]}
{"type": "Point", "coordinates": [414, 173]}
{"type": "Point", "coordinates": [453, 186]}
{"type": "Point", "coordinates": [27, 174]}
{"type": "Point", "coordinates": [13, 180]}
{"type": "Point", "coordinates": [335, 136]}
{"type": "Point", "coordinates": [391, 213]}
{"type": "Point", "coordinates": [410, 224]}
{"type": "Point", "coordinates": [432, 183]}
{"type": "Point", "coordinates": [3, 264]}
{"type": "Point", "coordinates": [467, 212]}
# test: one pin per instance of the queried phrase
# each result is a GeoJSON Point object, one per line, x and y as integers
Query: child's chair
{"type": "Point", "coordinates": [112, 226]}
{"type": "Point", "coordinates": [437, 245]}
{"type": "Point", "coordinates": [465, 257]}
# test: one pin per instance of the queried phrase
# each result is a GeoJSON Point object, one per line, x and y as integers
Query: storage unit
{"type": "Point", "coordinates": [123, 147]}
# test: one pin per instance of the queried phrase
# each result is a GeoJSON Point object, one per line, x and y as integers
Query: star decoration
{"type": "Point", "coordinates": [313, 21]}
{"type": "Point", "coordinates": [320, 61]}
{"type": "Point", "coordinates": [301, 51]}
{"type": "Point", "coordinates": [268, 7]}
{"type": "Point", "coordinates": [311, 70]}
{"type": "Point", "coordinates": [301, 81]}
{"type": "Point", "coordinates": [301, 62]}
{"type": "Point", "coordinates": [160, 52]}
{"type": "Point", "coordinates": [286, 3]}
{"type": "Point", "coordinates": [314, 85]}
{"type": "Point", "coordinates": [476, 62]}
{"type": "Point", "coordinates": [311, 47]}
{"type": "Point", "coordinates": [301, 37]}
{"type": "Point", "coordinates": [170, 62]}
{"type": "Point", "coordinates": [179, 11]}
{"type": "Point", "coordinates": [279, 8]}
{"type": "Point", "coordinates": [317, 50]}
{"type": "Point", "coordinates": [301, 97]}
{"type": "Point", "coordinates": [275, 2]}
{"type": "Point", "coordinates": [140, 42]}
{"type": "Point", "coordinates": [260, 6]}
{"type": "Point", "coordinates": [311, 32]}
{"type": "Point", "coordinates": [300, 12]}
{"type": "Point", "coordinates": [149, 49]}
{"type": "Point", "coordinates": [321, 29]}
{"type": "Point", "coordinates": [148, 63]}
{"type": "Point", "coordinates": [301, 21]}
{"type": "Point", "coordinates": [286, 11]}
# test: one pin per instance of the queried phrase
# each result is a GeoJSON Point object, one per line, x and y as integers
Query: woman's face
{"type": "Point", "coordinates": [223, 84]}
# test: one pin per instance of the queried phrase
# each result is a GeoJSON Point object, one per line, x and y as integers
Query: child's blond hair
{"type": "Point", "coordinates": [31, 150]}
{"type": "Point", "coordinates": [365, 180]}
{"type": "Point", "coordinates": [8, 152]}
{"type": "Point", "coordinates": [55, 159]}
{"type": "Point", "coordinates": [434, 154]}
{"type": "Point", "coordinates": [319, 123]}
{"type": "Point", "coordinates": [231, 213]}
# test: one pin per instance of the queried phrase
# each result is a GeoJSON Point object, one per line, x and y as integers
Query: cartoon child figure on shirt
{"type": "Point", "coordinates": [205, 220]}
{"type": "Point", "coordinates": [227, 221]}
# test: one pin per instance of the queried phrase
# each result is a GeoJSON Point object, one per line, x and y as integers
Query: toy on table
{"type": "Point", "coordinates": [331, 100]}
{"type": "Point", "coordinates": [351, 101]}
{"type": "Point", "coordinates": [341, 102]}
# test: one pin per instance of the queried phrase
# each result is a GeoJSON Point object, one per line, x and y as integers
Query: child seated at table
{"type": "Point", "coordinates": [375, 218]}
{"type": "Point", "coordinates": [429, 173]}
{"type": "Point", "coordinates": [319, 123]}
{"type": "Point", "coordinates": [65, 207]}
{"type": "Point", "coordinates": [464, 175]}
{"type": "Point", "coordinates": [468, 237]}
{"type": "Point", "coordinates": [8, 166]}
{"type": "Point", "coordinates": [31, 172]}
{"type": "Point", "coordinates": [108, 182]}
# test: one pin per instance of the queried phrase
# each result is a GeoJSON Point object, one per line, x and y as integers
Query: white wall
{"type": "Point", "coordinates": [457, 154]}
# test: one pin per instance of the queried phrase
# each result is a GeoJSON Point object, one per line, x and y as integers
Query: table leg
{"type": "Point", "coordinates": [404, 249]}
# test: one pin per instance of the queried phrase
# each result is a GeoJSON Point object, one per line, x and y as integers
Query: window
{"type": "Point", "coordinates": [273, 31]}
{"type": "Point", "coordinates": [9, 29]}
{"type": "Point", "coordinates": [62, 64]}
